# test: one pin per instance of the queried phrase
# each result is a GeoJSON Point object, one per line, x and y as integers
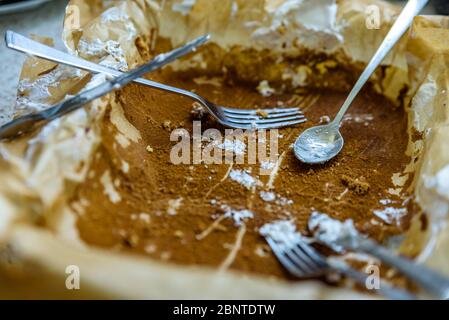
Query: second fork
{"type": "Point", "coordinates": [229, 117]}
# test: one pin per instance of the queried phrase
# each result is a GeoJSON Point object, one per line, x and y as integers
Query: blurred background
{"type": "Point", "coordinates": [44, 18]}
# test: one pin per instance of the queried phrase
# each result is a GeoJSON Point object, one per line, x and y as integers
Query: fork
{"type": "Point", "coordinates": [24, 124]}
{"type": "Point", "coordinates": [229, 117]}
{"type": "Point", "coordinates": [304, 261]}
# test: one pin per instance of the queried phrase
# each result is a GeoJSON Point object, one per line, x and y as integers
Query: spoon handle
{"type": "Point", "coordinates": [403, 22]}
{"type": "Point", "coordinates": [431, 281]}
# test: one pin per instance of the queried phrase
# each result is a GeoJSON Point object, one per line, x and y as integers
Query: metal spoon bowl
{"type": "Point", "coordinates": [318, 144]}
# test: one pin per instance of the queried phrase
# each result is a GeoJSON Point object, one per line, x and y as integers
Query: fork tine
{"type": "Point", "coordinates": [301, 261]}
{"type": "Point", "coordinates": [283, 259]}
{"type": "Point", "coordinates": [265, 121]}
{"type": "Point", "coordinates": [310, 252]}
{"type": "Point", "coordinates": [268, 116]}
{"type": "Point", "coordinates": [254, 112]}
{"type": "Point", "coordinates": [255, 125]}
{"type": "Point", "coordinates": [311, 260]}
{"type": "Point", "coordinates": [281, 124]}
{"type": "Point", "coordinates": [300, 257]}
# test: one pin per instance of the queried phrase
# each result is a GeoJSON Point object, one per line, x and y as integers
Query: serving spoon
{"type": "Point", "coordinates": [320, 144]}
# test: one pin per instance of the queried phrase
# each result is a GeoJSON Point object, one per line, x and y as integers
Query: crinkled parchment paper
{"type": "Point", "coordinates": [38, 237]}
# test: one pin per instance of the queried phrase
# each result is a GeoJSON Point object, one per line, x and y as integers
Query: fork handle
{"type": "Point", "coordinates": [431, 281]}
{"type": "Point", "coordinates": [385, 289]}
{"type": "Point", "coordinates": [23, 44]}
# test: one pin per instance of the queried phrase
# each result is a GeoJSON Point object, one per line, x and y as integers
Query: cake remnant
{"type": "Point", "coordinates": [357, 185]}
{"type": "Point", "coordinates": [265, 89]}
{"type": "Point", "coordinates": [115, 56]}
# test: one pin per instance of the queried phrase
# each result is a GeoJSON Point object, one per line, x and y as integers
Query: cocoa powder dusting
{"type": "Point", "coordinates": [176, 213]}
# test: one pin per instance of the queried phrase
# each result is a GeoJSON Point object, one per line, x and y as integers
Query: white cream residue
{"type": "Point", "coordinates": [244, 178]}
{"type": "Point", "coordinates": [391, 215]}
{"type": "Point", "coordinates": [331, 231]}
{"type": "Point", "coordinates": [111, 52]}
{"type": "Point", "coordinates": [364, 119]}
{"type": "Point", "coordinates": [125, 166]}
{"type": "Point", "coordinates": [269, 196]}
{"type": "Point", "coordinates": [267, 165]}
{"type": "Point", "coordinates": [399, 179]}
{"type": "Point", "coordinates": [173, 206]}
{"type": "Point", "coordinates": [239, 216]}
{"type": "Point", "coordinates": [33, 95]}
{"type": "Point", "coordinates": [280, 231]}
{"type": "Point", "coordinates": [109, 188]}
{"type": "Point", "coordinates": [265, 89]}
{"type": "Point", "coordinates": [236, 146]}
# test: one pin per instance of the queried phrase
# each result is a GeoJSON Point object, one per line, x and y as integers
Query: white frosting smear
{"type": "Point", "coordinates": [330, 231]}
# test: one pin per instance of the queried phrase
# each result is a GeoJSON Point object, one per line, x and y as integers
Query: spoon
{"type": "Point", "coordinates": [320, 144]}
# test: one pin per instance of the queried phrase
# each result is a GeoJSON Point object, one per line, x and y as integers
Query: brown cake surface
{"type": "Point", "coordinates": [136, 200]}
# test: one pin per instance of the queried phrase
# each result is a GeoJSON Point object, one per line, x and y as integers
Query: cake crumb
{"type": "Point", "coordinates": [262, 114]}
{"type": "Point", "coordinates": [151, 248]}
{"type": "Point", "coordinates": [179, 234]}
{"type": "Point", "coordinates": [357, 185]}
{"type": "Point", "coordinates": [198, 112]}
{"type": "Point", "coordinates": [167, 125]}
{"type": "Point", "coordinates": [150, 149]}
{"type": "Point", "coordinates": [132, 240]}
{"type": "Point", "coordinates": [265, 89]}
{"type": "Point", "coordinates": [323, 67]}
{"type": "Point", "coordinates": [325, 120]}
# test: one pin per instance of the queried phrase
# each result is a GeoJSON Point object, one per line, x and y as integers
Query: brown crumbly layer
{"type": "Point", "coordinates": [250, 66]}
{"type": "Point", "coordinates": [350, 186]}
